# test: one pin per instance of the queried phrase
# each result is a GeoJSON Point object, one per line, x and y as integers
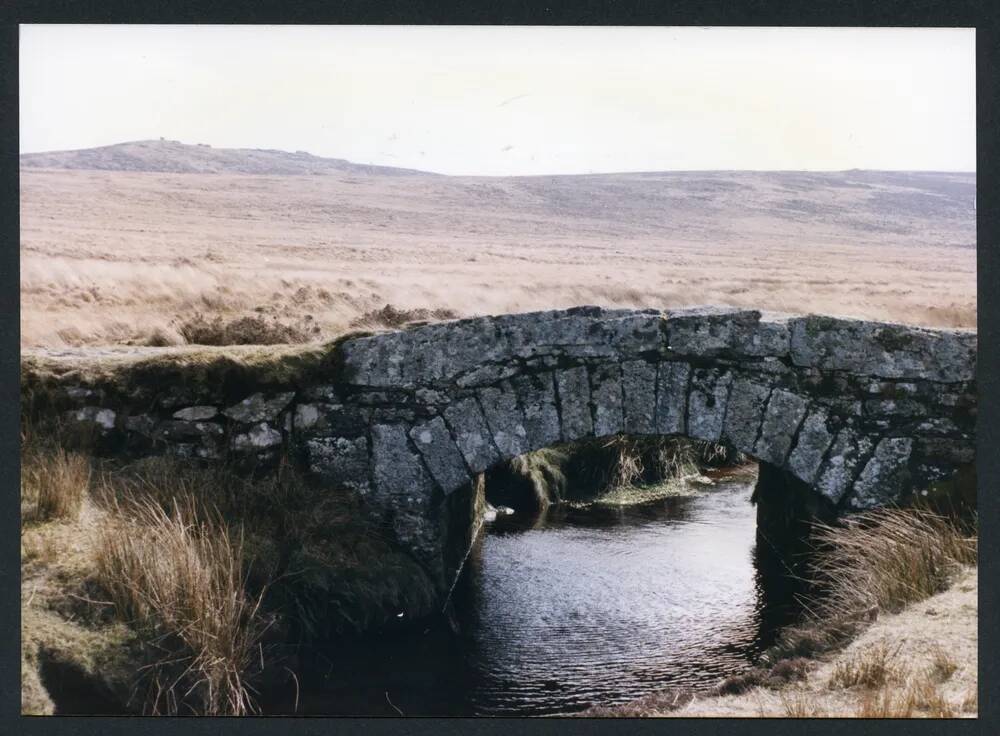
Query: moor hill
{"type": "Point", "coordinates": [117, 239]}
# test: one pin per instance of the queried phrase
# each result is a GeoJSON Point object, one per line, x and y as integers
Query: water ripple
{"type": "Point", "coordinates": [574, 614]}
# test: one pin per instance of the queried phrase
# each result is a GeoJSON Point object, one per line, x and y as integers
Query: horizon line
{"type": "Point", "coordinates": [496, 176]}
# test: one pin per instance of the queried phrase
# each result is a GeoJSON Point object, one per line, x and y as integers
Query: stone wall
{"type": "Point", "coordinates": [864, 413]}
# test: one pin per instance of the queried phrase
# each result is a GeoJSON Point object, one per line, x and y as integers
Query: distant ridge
{"type": "Point", "coordinates": [169, 156]}
{"type": "Point", "coordinates": [182, 158]}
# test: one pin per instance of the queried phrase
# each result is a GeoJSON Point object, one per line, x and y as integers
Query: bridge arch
{"type": "Point", "coordinates": [860, 412]}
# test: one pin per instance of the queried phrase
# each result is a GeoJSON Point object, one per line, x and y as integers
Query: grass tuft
{"type": "Point", "coordinates": [918, 697]}
{"type": "Point", "coordinates": [886, 559]}
{"type": "Point", "coordinates": [180, 576]}
{"type": "Point", "coordinates": [608, 469]}
{"type": "Point", "coordinates": [798, 704]}
{"type": "Point", "coordinates": [543, 471]}
{"type": "Point", "coordinates": [393, 317]}
{"type": "Point", "coordinates": [871, 668]}
{"type": "Point", "coordinates": [970, 703]}
{"type": "Point", "coordinates": [248, 330]}
{"type": "Point", "coordinates": [54, 482]}
{"type": "Point", "coordinates": [943, 665]}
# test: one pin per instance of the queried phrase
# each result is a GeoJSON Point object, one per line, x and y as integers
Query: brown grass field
{"type": "Point", "coordinates": [110, 256]}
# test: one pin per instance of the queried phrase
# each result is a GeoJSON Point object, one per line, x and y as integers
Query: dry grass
{"type": "Point", "coordinates": [943, 665]}
{"type": "Point", "coordinates": [60, 625]}
{"type": "Point", "coordinates": [873, 668]}
{"type": "Point", "coordinates": [613, 469]}
{"type": "Point", "coordinates": [627, 465]}
{"type": "Point", "coordinates": [889, 558]}
{"type": "Point", "coordinates": [393, 317]}
{"type": "Point", "coordinates": [191, 564]}
{"type": "Point", "coordinates": [885, 703]}
{"type": "Point", "coordinates": [653, 704]}
{"type": "Point", "coordinates": [877, 561]}
{"type": "Point", "coordinates": [180, 576]}
{"type": "Point", "coordinates": [918, 697]}
{"type": "Point", "coordinates": [869, 648]}
{"type": "Point", "coordinates": [54, 481]}
{"type": "Point", "coordinates": [543, 471]}
{"type": "Point", "coordinates": [200, 329]}
{"type": "Point", "coordinates": [339, 249]}
{"type": "Point", "coordinates": [635, 460]}
{"type": "Point", "coordinates": [326, 568]}
{"type": "Point", "coordinates": [798, 704]}
{"type": "Point", "coordinates": [901, 674]}
{"type": "Point", "coordinates": [970, 703]}
{"type": "Point", "coordinates": [203, 490]}
{"type": "Point", "coordinates": [891, 670]}
{"type": "Point", "coordinates": [153, 549]}
{"type": "Point", "coordinates": [782, 673]}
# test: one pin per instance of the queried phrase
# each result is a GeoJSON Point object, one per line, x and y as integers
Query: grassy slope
{"type": "Point", "coordinates": [324, 570]}
{"type": "Point", "coordinates": [58, 622]}
{"type": "Point", "coordinates": [930, 669]}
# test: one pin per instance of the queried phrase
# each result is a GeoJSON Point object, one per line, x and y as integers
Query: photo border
{"type": "Point", "coordinates": [689, 12]}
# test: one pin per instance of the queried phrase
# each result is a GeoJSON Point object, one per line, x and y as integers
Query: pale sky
{"type": "Point", "coordinates": [514, 100]}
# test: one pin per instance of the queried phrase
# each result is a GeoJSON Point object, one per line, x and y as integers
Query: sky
{"type": "Point", "coordinates": [514, 100]}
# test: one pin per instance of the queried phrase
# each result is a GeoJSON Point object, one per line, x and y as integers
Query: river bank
{"type": "Point", "coordinates": [158, 586]}
{"type": "Point", "coordinates": [910, 651]}
{"type": "Point", "coordinates": [921, 662]}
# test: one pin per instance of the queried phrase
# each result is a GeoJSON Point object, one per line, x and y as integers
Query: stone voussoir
{"type": "Point", "coordinates": [537, 396]}
{"type": "Point", "coordinates": [472, 434]}
{"type": "Point", "coordinates": [440, 454]}
{"type": "Point", "coordinates": [505, 420]}
{"type": "Point", "coordinates": [747, 402]}
{"type": "Point", "coordinates": [639, 396]}
{"type": "Point", "coordinates": [707, 401]}
{"type": "Point", "coordinates": [606, 399]}
{"type": "Point", "coordinates": [885, 475]}
{"type": "Point", "coordinates": [573, 386]}
{"type": "Point", "coordinates": [813, 441]}
{"type": "Point", "coordinates": [785, 412]}
{"type": "Point", "coordinates": [672, 397]}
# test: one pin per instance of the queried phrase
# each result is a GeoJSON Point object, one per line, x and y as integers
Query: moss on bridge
{"type": "Point", "coordinates": [135, 376]}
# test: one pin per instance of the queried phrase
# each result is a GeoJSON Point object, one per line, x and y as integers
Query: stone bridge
{"type": "Point", "coordinates": [865, 414]}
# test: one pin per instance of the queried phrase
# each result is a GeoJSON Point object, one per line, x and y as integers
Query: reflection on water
{"type": "Point", "coordinates": [574, 608]}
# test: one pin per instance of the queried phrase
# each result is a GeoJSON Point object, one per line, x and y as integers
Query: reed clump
{"type": "Point", "coordinates": [179, 575]}
{"type": "Point", "coordinates": [883, 560]}
{"type": "Point", "coordinates": [54, 481]}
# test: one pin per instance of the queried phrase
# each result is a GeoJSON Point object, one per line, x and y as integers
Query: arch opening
{"type": "Point", "coordinates": [562, 585]}
{"type": "Point", "coordinates": [634, 470]}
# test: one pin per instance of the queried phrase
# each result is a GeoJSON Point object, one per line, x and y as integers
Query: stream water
{"type": "Point", "coordinates": [573, 608]}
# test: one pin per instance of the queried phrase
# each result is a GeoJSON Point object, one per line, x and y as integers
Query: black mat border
{"type": "Point", "coordinates": [925, 13]}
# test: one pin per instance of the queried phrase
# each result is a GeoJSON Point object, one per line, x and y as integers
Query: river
{"type": "Point", "coordinates": [576, 607]}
